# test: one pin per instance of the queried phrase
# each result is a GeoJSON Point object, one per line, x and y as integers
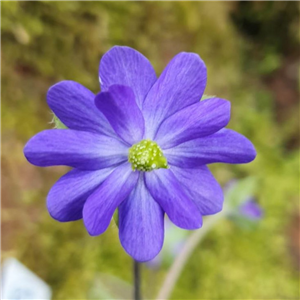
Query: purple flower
{"type": "Point", "coordinates": [250, 209]}
{"type": "Point", "coordinates": [141, 145]}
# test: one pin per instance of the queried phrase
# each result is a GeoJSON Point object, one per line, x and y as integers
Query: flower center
{"type": "Point", "coordinates": [146, 156]}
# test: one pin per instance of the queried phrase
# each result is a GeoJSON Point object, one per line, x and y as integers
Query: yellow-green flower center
{"type": "Point", "coordinates": [146, 156]}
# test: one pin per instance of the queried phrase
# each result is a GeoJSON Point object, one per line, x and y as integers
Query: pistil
{"type": "Point", "coordinates": [146, 156]}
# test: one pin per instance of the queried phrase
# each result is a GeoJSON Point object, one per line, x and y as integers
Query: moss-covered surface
{"type": "Point", "coordinates": [44, 42]}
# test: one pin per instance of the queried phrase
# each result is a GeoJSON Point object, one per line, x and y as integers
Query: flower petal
{"type": "Point", "coordinates": [181, 84]}
{"type": "Point", "coordinates": [173, 199]}
{"type": "Point", "coordinates": [119, 107]}
{"type": "Point", "coordinates": [74, 105]}
{"type": "Point", "coordinates": [141, 224]}
{"type": "Point", "coordinates": [66, 198]}
{"type": "Point", "coordinates": [126, 66]}
{"type": "Point", "coordinates": [197, 120]}
{"type": "Point", "coordinates": [202, 188]}
{"type": "Point", "coordinates": [100, 206]}
{"type": "Point", "coordinates": [78, 149]}
{"type": "Point", "coordinates": [226, 146]}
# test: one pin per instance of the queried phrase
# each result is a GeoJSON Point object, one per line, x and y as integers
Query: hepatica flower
{"type": "Point", "coordinates": [140, 146]}
{"type": "Point", "coordinates": [251, 210]}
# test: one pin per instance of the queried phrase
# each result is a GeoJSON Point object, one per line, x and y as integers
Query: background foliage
{"type": "Point", "coordinates": [251, 50]}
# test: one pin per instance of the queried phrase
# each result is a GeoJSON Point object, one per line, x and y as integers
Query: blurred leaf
{"type": "Point", "coordinates": [116, 217]}
{"type": "Point", "coordinates": [107, 286]}
{"type": "Point", "coordinates": [206, 97]}
{"type": "Point", "coordinates": [58, 123]}
{"type": "Point", "coordinates": [243, 223]}
{"type": "Point", "coordinates": [240, 190]}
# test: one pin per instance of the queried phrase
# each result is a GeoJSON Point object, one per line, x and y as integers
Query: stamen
{"type": "Point", "coordinates": [146, 156]}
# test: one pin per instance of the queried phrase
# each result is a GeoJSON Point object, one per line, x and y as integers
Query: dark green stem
{"type": "Point", "coordinates": [137, 280]}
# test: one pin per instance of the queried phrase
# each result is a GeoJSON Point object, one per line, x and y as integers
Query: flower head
{"type": "Point", "coordinates": [242, 207]}
{"type": "Point", "coordinates": [251, 210]}
{"type": "Point", "coordinates": [141, 145]}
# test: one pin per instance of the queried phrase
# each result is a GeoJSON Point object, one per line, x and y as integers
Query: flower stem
{"type": "Point", "coordinates": [137, 280]}
{"type": "Point", "coordinates": [183, 256]}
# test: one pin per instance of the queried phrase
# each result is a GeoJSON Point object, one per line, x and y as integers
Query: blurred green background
{"type": "Point", "coordinates": [251, 50]}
